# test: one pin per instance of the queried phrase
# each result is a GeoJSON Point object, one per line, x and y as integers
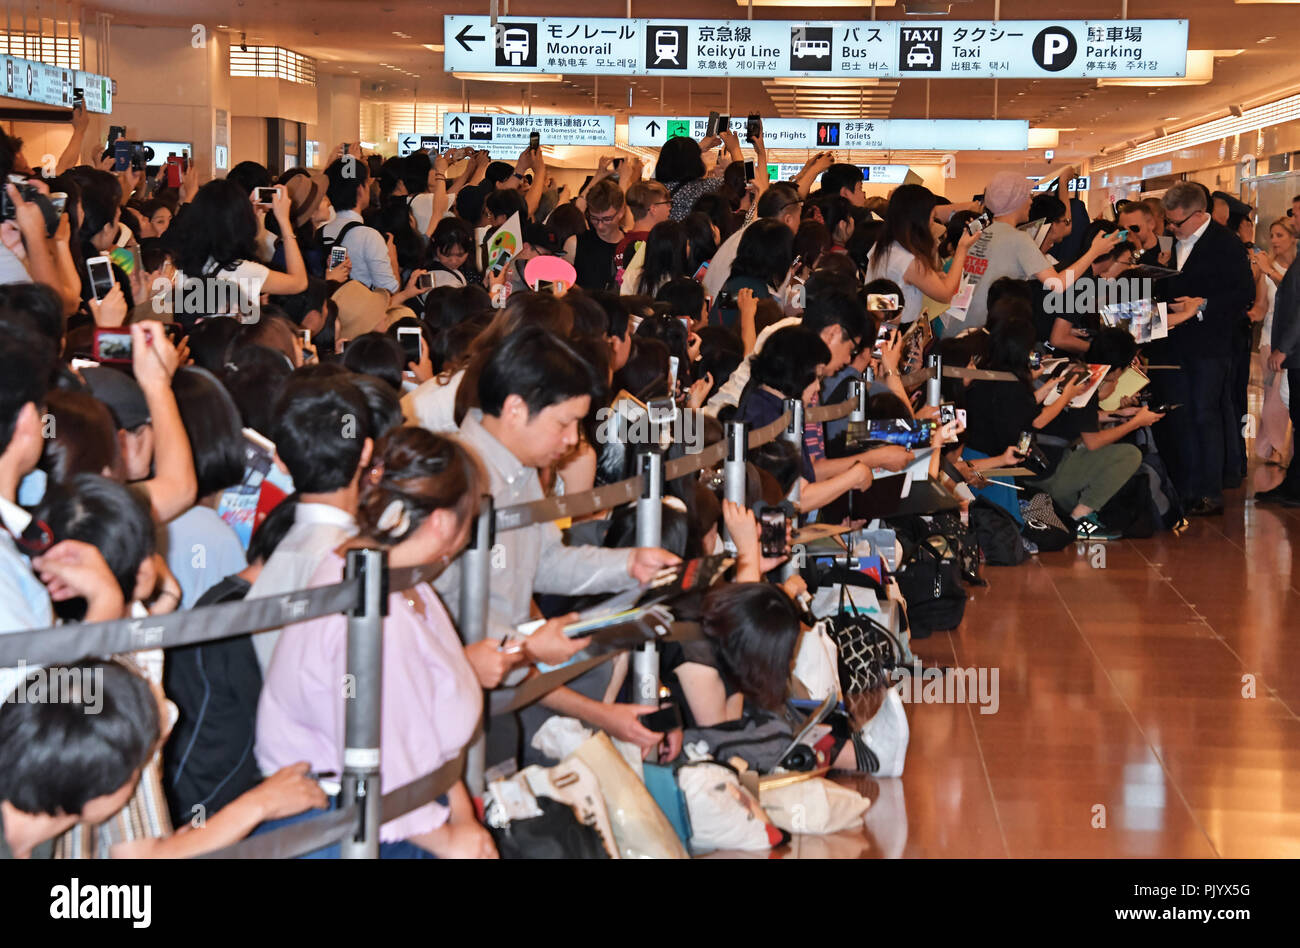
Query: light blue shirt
{"type": "Point", "coordinates": [24, 600]}
{"type": "Point", "coordinates": [367, 250]}
{"type": "Point", "coordinates": [201, 551]}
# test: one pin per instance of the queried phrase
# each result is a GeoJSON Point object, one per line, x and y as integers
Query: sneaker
{"type": "Point", "coordinates": [1030, 546]}
{"type": "Point", "coordinates": [1090, 528]}
{"type": "Point", "coordinates": [1281, 492]}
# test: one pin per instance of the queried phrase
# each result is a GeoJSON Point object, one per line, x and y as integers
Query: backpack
{"type": "Point", "coordinates": [998, 534]}
{"type": "Point", "coordinates": [759, 737]}
{"type": "Point", "coordinates": [1131, 510]}
{"type": "Point", "coordinates": [329, 243]}
{"type": "Point", "coordinates": [1166, 504]}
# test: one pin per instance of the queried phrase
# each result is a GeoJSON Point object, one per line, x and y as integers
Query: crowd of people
{"type": "Point", "coordinates": [283, 368]}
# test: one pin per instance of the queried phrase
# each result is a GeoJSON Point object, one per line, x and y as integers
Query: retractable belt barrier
{"type": "Point", "coordinates": [356, 825]}
{"type": "Point", "coordinates": [71, 643]}
{"type": "Point", "coordinates": [914, 379]}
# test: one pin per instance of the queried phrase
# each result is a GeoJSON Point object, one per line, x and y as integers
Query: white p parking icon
{"type": "Point", "coordinates": [1055, 48]}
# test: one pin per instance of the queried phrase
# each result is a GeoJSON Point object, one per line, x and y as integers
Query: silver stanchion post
{"type": "Point", "coordinates": [933, 394]}
{"type": "Point", "coordinates": [733, 469]}
{"type": "Point", "coordinates": [858, 392]}
{"type": "Point", "coordinates": [362, 712]}
{"type": "Point", "coordinates": [649, 532]}
{"type": "Point", "coordinates": [794, 434]}
{"type": "Point", "coordinates": [475, 579]}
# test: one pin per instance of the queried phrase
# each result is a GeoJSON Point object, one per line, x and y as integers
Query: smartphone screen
{"type": "Point", "coordinates": [100, 271]}
{"type": "Point", "coordinates": [112, 345]}
{"type": "Point", "coordinates": [672, 373]}
{"type": "Point", "coordinates": [534, 141]}
{"type": "Point", "coordinates": [338, 253]}
{"type": "Point", "coordinates": [500, 262]}
{"type": "Point", "coordinates": [121, 155]}
{"type": "Point", "coordinates": [753, 126]}
{"type": "Point", "coordinates": [749, 170]}
{"type": "Point", "coordinates": [711, 129]}
{"type": "Point", "coordinates": [265, 196]}
{"type": "Point", "coordinates": [1026, 442]}
{"type": "Point", "coordinates": [412, 342]}
{"type": "Point", "coordinates": [772, 533]}
{"type": "Point", "coordinates": [424, 281]}
{"type": "Point", "coordinates": [900, 431]}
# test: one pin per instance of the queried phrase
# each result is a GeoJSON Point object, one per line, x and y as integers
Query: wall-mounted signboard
{"type": "Point", "coordinates": [466, 128]}
{"type": "Point", "coordinates": [651, 131]}
{"type": "Point", "coordinates": [408, 142]}
{"type": "Point", "coordinates": [1010, 49]}
{"type": "Point", "coordinates": [53, 85]}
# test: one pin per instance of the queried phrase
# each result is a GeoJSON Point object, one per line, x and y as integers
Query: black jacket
{"type": "Point", "coordinates": [1218, 270]}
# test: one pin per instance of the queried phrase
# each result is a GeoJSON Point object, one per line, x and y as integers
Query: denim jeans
{"type": "Point", "coordinates": [398, 850]}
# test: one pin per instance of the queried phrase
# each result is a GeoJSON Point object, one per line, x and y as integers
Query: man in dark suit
{"type": "Point", "coordinates": [1211, 291]}
{"type": "Point", "coordinates": [1285, 357]}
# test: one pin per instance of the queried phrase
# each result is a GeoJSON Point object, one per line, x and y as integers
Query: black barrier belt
{"type": "Point", "coordinates": [422, 790]}
{"type": "Point", "coordinates": [505, 700]}
{"type": "Point", "coordinates": [549, 509]}
{"type": "Point", "coordinates": [913, 379]}
{"type": "Point", "coordinates": [578, 505]}
{"type": "Point", "coordinates": [761, 436]}
{"type": "Point", "coordinates": [830, 412]}
{"type": "Point", "coordinates": [294, 840]}
{"type": "Point", "coordinates": [690, 463]}
{"type": "Point", "coordinates": [70, 643]}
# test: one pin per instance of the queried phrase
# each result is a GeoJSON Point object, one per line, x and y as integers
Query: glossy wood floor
{"type": "Point", "coordinates": [1121, 686]}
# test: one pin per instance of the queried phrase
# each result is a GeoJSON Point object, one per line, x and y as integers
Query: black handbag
{"type": "Point", "coordinates": [930, 580]}
{"type": "Point", "coordinates": [868, 651]}
{"type": "Point", "coordinates": [556, 834]}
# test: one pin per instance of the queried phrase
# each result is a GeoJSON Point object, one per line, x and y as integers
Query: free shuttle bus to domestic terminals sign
{"type": "Point", "coordinates": [1008, 49]}
{"type": "Point", "coordinates": [651, 131]}
{"type": "Point", "coordinates": [464, 128]}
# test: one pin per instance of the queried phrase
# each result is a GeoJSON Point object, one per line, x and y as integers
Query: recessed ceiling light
{"type": "Point", "coordinates": [1266, 39]}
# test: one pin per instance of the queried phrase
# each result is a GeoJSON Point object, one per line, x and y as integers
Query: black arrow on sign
{"type": "Point", "coordinates": [652, 127]}
{"type": "Point", "coordinates": [465, 39]}
{"type": "Point", "coordinates": [456, 123]}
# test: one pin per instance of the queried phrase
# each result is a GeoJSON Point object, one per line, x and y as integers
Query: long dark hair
{"type": "Point", "coordinates": [765, 252]}
{"type": "Point", "coordinates": [754, 628]}
{"type": "Point", "coordinates": [219, 225]}
{"type": "Point", "coordinates": [665, 256]}
{"type": "Point", "coordinates": [907, 222]}
{"type": "Point", "coordinates": [699, 239]}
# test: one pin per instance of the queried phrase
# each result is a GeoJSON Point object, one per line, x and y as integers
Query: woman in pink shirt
{"type": "Point", "coordinates": [418, 501]}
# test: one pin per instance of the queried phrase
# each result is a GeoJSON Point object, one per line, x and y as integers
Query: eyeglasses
{"type": "Point", "coordinates": [608, 219]}
{"type": "Point", "coordinates": [1173, 223]}
{"type": "Point", "coordinates": [781, 210]}
{"type": "Point", "coordinates": [661, 203]}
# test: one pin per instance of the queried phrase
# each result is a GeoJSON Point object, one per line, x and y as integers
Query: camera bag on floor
{"type": "Point", "coordinates": [929, 577]}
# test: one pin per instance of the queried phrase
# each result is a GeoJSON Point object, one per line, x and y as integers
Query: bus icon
{"type": "Point", "coordinates": [810, 49]}
{"type": "Point", "coordinates": [665, 47]}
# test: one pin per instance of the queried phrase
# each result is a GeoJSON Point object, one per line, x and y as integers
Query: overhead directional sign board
{"type": "Point", "coordinates": [409, 142]}
{"type": "Point", "coordinates": [54, 85]}
{"type": "Point", "coordinates": [651, 131]}
{"type": "Point", "coordinates": [465, 128]}
{"type": "Point", "coordinates": [872, 174]}
{"type": "Point", "coordinates": [958, 48]}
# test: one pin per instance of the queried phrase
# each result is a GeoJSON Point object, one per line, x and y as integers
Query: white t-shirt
{"type": "Point", "coordinates": [233, 292]}
{"type": "Point", "coordinates": [433, 404]}
{"type": "Point", "coordinates": [891, 266]}
{"type": "Point", "coordinates": [422, 207]}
